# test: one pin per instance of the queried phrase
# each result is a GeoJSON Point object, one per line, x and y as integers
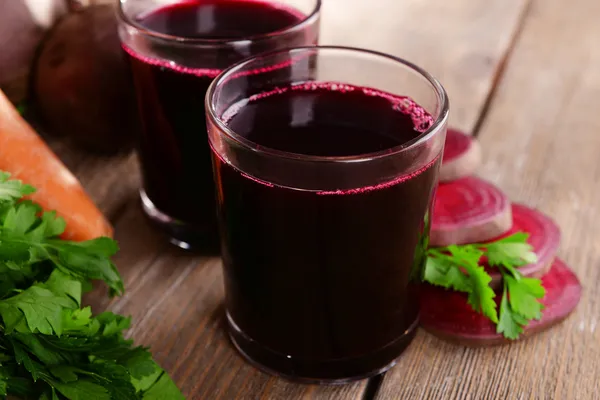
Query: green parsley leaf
{"type": "Point", "coordinates": [12, 190]}
{"type": "Point", "coordinates": [510, 324]}
{"type": "Point", "coordinates": [113, 323]}
{"type": "Point", "coordinates": [445, 273]}
{"type": "Point", "coordinates": [534, 287]}
{"type": "Point", "coordinates": [164, 388]}
{"type": "Point", "coordinates": [66, 373]}
{"type": "Point", "coordinates": [65, 286]}
{"type": "Point", "coordinates": [41, 308]}
{"type": "Point", "coordinates": [20, 386]}
{"type": "Point", "coordinates": [50, 226]}
{"type": "Point", "coordinates": [82, 389]}
{"type": "Point", "coordinates": [511, 251]}
{"type": "Point", "coordinates": [138, 362]}
{"type": "Point", "coordinates": [77, 320]}
{"type": "Point", "coordinates": [458, 268]}
{"type": "Point", "coordinates": [522, 297]}
{"type": "Point", "coordinates": [82, 260]}
{"type": "Point", "coordinates": [50, 347]}
{"type": "Point", "coordinates": [21, 218]}
{"type": "Point", "coordinates": [88, 260]}
{"type": "Point", "coordinates": [519, 302]}
{"type": "Point", "coordinates": [143, 384]}
{"type": "Point", "coordinates": [22, 357]}
{"type": "Point", "coordinates": [115, 379]}
{"type": "Point", "coordinates": [15, 276]}
{"type": "Point", "coordinates": [34, 345]}
{"type": "Point", "coordinates": [51, 395]}
{"type": "Point", "coordinates": [481, 297]}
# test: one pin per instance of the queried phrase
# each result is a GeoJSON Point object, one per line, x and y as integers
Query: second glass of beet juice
{"type": "Point", "coordinates": [326, 162]}
{"type": "Point", "coordinates": [176, 48]}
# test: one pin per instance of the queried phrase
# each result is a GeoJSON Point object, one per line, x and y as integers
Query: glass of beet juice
{"type": "Point", "coordinates": [176, 48]}
{"type": "Point", "coordinates": [326, 161]}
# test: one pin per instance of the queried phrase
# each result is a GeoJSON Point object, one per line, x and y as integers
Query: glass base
{"type": "Point", "coordinates": [180, 233]}
{"type": "Point", "coordinates": [324, 372]}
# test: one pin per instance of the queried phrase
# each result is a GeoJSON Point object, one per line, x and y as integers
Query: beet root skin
{"type": "Point", "coordinates": [447, 315]}
{"type": "Point", "coordinates": [469, 210]}
{"type": "Point", "coordinates": [82, 87]}
{"type": "Point", "coordinates": [544, 237]}
{"type": "Point", "coordinates": [461, 158]}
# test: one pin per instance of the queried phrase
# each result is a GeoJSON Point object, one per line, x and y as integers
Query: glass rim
{"type": "Point", "coordinates": [439, 121]}
{"type": "Point", "coordinates": [307, 20]}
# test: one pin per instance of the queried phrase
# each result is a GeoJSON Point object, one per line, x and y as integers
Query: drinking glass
{"type": "Point", "coordinates": [175, 49]}
{"type": "Point", "coordinates": [323, 251]}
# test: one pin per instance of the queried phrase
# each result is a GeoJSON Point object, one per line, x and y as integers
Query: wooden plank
{"type": "Point", "coordinates": [175, 298]}
{"type": "Point", "coordinates": [541, 145]}
{"type": "Point", "coordinates": [112, 182]}
{"type": "Point", "coordinates": [462, 42]}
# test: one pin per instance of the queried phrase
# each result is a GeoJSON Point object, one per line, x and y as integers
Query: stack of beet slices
{"type": "Point", "coordinates": [471, 210]}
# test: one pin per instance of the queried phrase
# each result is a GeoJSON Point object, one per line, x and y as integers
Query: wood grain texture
{"type": "Point", "coordinates": [111, 181]}
{"type": "Point", "coordinates": [462, 42]}
{"type": "Point", "coordinates": [176, 298]}
{"type": "Point", "coordinates": [541, 144]}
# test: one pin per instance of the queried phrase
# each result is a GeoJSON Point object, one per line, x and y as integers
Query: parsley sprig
{"type": "Point", "coordinates": [458, 267]}
{"type": "Point", "coordinates": [50, 347]}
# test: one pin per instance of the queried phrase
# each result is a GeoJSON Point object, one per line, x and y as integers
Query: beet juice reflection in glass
{"type": "Point", "coordinates": [176, 48]}
{"type": "Point", "coordinates": [326, 161]}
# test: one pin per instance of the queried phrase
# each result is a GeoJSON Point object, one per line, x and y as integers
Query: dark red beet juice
{"type": "Point", "coordinates": [321, 285]}
{"type": "Point", "coordinates": [171, 80]}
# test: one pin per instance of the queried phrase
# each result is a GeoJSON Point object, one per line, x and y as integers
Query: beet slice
{"type": "Point", "coordinates": [461, 158]}
{"type": "Point", "coordinates": [446, 314]}
{"type": "Point", "coordinates": [544, 237]}
{"type": "Point", "coordinates": [469, 210]}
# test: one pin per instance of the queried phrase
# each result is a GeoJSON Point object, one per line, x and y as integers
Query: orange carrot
{"type": "Point", "coordinates": [27, 157]}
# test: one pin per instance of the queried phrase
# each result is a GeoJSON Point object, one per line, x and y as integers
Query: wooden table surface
{"type": "Point", "coordinates": [524, 77]}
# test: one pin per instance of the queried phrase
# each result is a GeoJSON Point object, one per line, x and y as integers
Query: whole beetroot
{"type": "Point", "coordinates": [82, 87]}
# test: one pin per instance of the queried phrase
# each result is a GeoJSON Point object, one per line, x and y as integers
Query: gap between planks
{"type": "Point", "coordinates": [502, 69]}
